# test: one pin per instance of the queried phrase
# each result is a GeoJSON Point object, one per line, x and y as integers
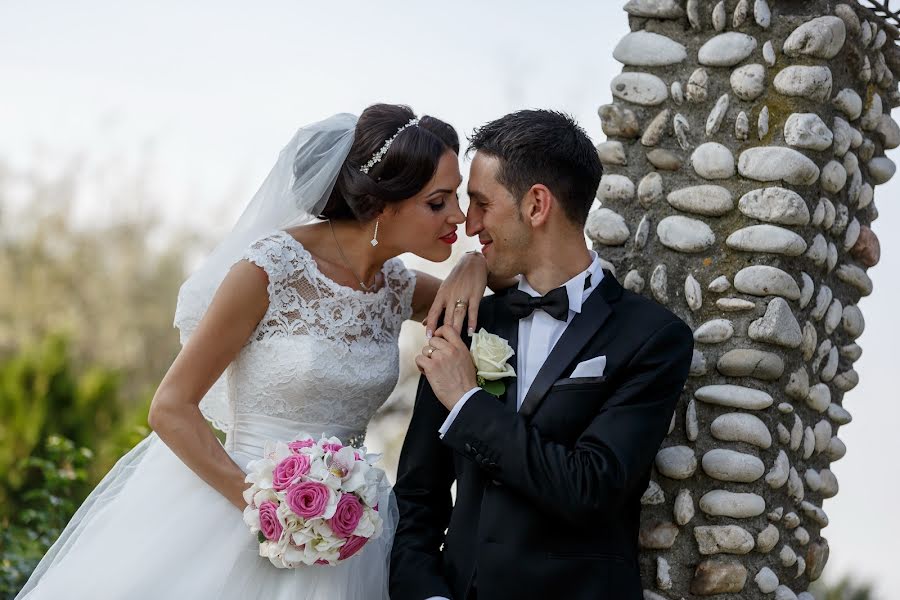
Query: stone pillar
{"type": "Point", "coordinates": [744, 143]}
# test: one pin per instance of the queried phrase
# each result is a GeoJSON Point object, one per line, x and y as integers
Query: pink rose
{"type": "Point", "coordinates": [331, 446]}
{"type": "Point", "coordinates": [352, 546]}
{"type": "Point", "coordinates": [288, 470]}
{"type": "Point", "coordinates": [268, 521]}
{"type": "Point", "coordinates": [346, 517]}
{"type": "Point", "coordinates": [298, 445]}
{"type": "Point", "coordinates": [308, 499]}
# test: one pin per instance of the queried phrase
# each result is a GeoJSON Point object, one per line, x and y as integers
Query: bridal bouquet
{"type": "Point", "coordinates": [312, 502]}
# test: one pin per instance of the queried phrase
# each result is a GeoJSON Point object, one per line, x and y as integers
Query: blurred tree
{"type": "Point", "coordinates": [110, 286]}
{"type": "Point", "coordinates": [846, 588]}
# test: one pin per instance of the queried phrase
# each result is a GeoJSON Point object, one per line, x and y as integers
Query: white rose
{"type": "Point", "coordinates": [264, 496]}
{"type": "Point", "coordinates": [249, 493]}
{"type": "Point", "coordinates": [368, 524]}
{"type": "Point", "coordinates": [294, 556]}
{"type": "Point", "coordinates": [289, 521]}
{"type": "Point", "coordinates": [274, 551]}
{"type": "Point", "coordinates": [490, 353]}
{"type": "Point", "coordinates": [370, 490]}
{"type": "Point", "coordinates": [251, 519]}
{"type": "Point", "coordinates": [318, 471]}
{"type": "Point", "coordinates": [331, 507]}
{"type": "Point", "coordinates": [303, 535]}
{"type": "Point", "coordinates": [260, 473]}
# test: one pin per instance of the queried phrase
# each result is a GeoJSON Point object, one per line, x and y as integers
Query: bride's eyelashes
{"type": "Point", "coordinates": [440, 205]}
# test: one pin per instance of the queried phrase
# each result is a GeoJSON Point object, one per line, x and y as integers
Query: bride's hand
{"type": "Point", "coordinates": [460, 294]}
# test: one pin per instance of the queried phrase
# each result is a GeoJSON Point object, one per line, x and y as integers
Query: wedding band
{"type": "Point", "coordinates": [429, 351]}
{"type": "Point", "coordinates": [462, 303]}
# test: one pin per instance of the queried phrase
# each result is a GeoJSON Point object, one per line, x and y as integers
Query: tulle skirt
{"type": "Point", "coordinates": [153, 529]}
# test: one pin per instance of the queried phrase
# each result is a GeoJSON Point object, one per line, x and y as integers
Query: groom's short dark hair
{"type": "Point", "coordinates": [546, 147]}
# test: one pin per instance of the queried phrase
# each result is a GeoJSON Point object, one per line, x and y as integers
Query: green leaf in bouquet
{"type": "Point", "coordinates": [260, 537]}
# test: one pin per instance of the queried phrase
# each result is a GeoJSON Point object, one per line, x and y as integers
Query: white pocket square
{"type": "Point", "coordinates": [590, 368]}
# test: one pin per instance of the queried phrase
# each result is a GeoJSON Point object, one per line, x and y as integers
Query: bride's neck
{"type": "Point", "coordinates": [355, 241]}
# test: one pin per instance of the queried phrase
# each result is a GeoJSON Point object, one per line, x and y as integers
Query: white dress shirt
{"type": "Point", "coordinates": [538, 334]}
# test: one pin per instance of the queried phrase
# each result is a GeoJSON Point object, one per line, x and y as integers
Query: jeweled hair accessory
{"type": "Point", "coordinates": [376, 158]}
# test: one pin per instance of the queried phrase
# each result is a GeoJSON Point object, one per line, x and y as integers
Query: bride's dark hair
{"type": "Point", "coordinates": [404, 170]}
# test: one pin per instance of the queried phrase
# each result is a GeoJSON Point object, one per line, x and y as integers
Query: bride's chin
{"type": "Point", "coordinates": [437, 253]}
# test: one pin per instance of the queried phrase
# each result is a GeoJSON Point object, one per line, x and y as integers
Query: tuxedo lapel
{"type": "Point", "coordinates": [579, 332]}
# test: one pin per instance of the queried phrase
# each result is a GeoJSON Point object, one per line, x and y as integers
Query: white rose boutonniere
{"type": "Point", "coordinates": [490, 353]}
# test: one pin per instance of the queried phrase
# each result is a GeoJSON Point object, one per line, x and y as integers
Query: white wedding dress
{"type": "Point", "coordinates": [322, 360]}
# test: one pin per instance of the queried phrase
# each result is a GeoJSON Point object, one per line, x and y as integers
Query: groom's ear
{"type": "Point", "coordinates": [537, 204]}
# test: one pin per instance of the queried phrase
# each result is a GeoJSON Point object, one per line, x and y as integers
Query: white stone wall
{"type": "Point", "coordinates": [745, 140]}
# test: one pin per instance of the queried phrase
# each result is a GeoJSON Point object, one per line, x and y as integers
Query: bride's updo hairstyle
{"type": "Point", "coordinates": [407, 166]}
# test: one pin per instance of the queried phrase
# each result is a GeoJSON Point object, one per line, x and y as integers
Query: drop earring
{"type": "Point", "coordinates": [374, 241]}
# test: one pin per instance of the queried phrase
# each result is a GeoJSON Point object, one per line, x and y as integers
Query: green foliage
{"type": "Point", "coordinates": [59, 473]}
{"type": "Point", "coordinates": [51, 416]}
{"type": "Point", "coordinates": [41, 395]}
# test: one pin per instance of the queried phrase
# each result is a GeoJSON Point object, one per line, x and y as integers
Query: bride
{"type": "Point", "coordinates": [291, 325]}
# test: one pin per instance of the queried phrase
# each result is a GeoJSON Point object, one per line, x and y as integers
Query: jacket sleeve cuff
{"type": "Point", "coordinates": [455, 411]}
{"type": "Point", "coordinates": [480, 430]}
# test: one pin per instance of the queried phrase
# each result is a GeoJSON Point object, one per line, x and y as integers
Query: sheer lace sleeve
{"type": "Point", "coordinates": [269, 254]}
{"type": "Point", "coordinates": [402, 284]}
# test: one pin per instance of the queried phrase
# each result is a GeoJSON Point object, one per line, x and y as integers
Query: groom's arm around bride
{"type": "Point", "coordinates": [549, 475]}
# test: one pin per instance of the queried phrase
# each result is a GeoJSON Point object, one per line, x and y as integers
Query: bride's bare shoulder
{"type": "Point", "coordinates": [308, 235]}
{"type": "Point", "coordinates": [311, 236]}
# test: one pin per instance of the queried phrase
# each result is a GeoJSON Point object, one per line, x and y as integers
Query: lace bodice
{"type": "Point", "coordinates": [323, 353]}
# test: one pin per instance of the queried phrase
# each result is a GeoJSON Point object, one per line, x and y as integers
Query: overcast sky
{"type": "Point", "coordinates": [200, 97]}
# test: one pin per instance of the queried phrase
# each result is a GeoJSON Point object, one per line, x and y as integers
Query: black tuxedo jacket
{"type": "Point", "coordinates": [547, 498]}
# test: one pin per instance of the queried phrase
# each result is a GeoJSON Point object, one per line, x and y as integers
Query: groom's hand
{"type": "Point", "coordinates": [448, 365]}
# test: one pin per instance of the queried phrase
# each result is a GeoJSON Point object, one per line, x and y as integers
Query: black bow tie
{"type": "Point", "coordinates": [555, 302]}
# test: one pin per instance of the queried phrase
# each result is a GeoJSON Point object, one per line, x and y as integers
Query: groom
{"type": "Point", "coordinates": [549, 475]}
